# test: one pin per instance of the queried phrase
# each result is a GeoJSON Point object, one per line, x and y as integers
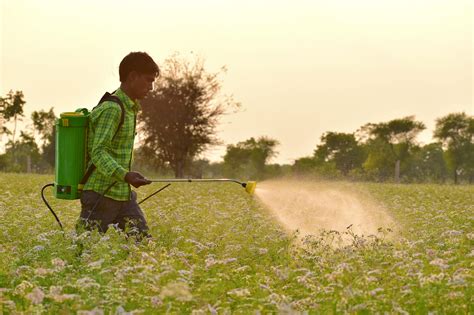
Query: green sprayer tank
{"type": "Point", "coordinates": [71, 150]}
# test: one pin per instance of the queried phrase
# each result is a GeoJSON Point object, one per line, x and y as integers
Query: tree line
{"type": "Point", "coordinates": [179, 119]}
{"type": "Point", "coordinates": [388, 151]}
{"type": "Point", "coordinates": [22, 151]}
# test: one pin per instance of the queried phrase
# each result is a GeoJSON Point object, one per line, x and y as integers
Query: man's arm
{"type": "Point", "coordinates": [105, 127]}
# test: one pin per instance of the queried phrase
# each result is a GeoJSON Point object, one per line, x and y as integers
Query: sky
{"type": "Point", "coordinates": [299, 68]}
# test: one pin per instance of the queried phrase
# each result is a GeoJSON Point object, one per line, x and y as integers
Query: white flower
{"type": "Point", "coordinates": [58, 263]}
{"type": "Point", "coordinates": [243, 268]}
{"type": "Point", "coordinates": [457, 280]}
{"type": "Point", "coordinates": [178, 290]}
{"type": "Point", "coordinates": [95, 311]}
{"type": "Point", "coordinates": [451, 233]}
{"type": "Point", "coordinates": [375, 291]}
{"type": "Point", "coordinates": [399, 310]}
{"type": "Point", "coordinates": [147, 257]}
{"type": "Point", "coordinates": [62, 297]}
{"type": "Point", "coordinates": [343, 266]}
{"type": "Point", "coordinates": [9, 304]}
{"type": "Point", "coordinates": [283, 274]}
{"type": "Point", "coordinates": [86, 283]}
{"type": "Point", "coordinates": [374, 272]}
{"type": "Point", "coordinates": [371, 279]}
{"type": "Point", "coordinates": [438, 262]}
{"type": "Point", "coordinates": [239, 292]}
{"type": "Point", "coordinates": [43, 271]}
{"type": "Point", "coordinates": [211, 309]}
{"type": "Point", "coordinates": [433, 278]}
{"type": "Point", "coordinates": [359, 307]}
{"type": "Point", "coordinates": [55, 294]}
{"type": "Point", "coordinates": [36, 296]}
{"type": "Point", "coordinates": [121, 311]}
{"type": "Point", "coordinates": [176, 229]}
{"type": "Point", "coordinates": [23, 287]}
{"type": "Point", "coordinates": [156, 301]}
{"type": "Point", "coordinates": [228, 261]}
{"type": "Point", "coordinates": [455, 295]}
{"type": "Point", "coordinates": [210, 262]}
{"type": "Point", "coordinates": [199, 245]}
{"type": "Point", "coordinates": [22, 269]}
{"type": "Point", "coordinates": [95, 264]}
{"type": "Point", "coordinates": [55, 289]}
{"type": "Point", "coordinates": [42, 237]}
{"type": "Point", "coordinates": [262, 251]}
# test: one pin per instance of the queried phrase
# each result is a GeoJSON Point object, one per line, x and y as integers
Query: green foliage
{"type": "Point", "coordinates": [342, 149]}
{"type": "Point", "coordinates": [399, 134]}
{"type": "Point", "coordinates": [180, 117]}
{"type": "Point", "coordinates": [304, 165]}
{"type": "Point", "coordinates": [12, 105]}
{"type": "Point", "coordinates": [187, 105]}
{"type": "Point", "coordinates": [456, 132]}
{"type": "Point", "coordinates": [217, 250]}
{"type": "Point", "coordinates": [22, 155]}
{"type": "Point", "coordinates": [247, 159]}
{"type": "Point", "coordinates": [402, 130]}
{"type": "Point", "coordinates": [380, 160]}
{"type": "Point", "coordinates": [427, 163]}
{"type": "Point", "coordinates": [379, 147]}
{"type": "Point", "coordinates": [11, 108]}
{"type": "Point", "coordinates": [44, 124]}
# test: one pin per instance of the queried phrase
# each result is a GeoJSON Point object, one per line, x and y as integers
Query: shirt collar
{"type": "Point", "coordinates": [127, 101]}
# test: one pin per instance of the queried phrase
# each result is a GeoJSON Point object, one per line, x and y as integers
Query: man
{"type": "Point", "coordinates": [107, 197]}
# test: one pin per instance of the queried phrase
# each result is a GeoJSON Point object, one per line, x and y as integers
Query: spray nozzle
{"type": "Point", "coordinates": [250, 187]}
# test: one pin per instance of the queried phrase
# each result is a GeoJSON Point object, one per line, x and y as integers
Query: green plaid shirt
{"type": "Point", "coordinates": [111, 156]}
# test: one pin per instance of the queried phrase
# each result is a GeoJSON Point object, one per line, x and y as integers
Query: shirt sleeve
{"type": "Point", "coordinates": [106, 125]}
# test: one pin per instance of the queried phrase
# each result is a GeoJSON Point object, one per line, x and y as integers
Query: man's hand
{"type": "Point", "coordinates": [136, 179]}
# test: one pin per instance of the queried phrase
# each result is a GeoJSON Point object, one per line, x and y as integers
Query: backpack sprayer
{"type": "Point", "coordinates": [72, 159]}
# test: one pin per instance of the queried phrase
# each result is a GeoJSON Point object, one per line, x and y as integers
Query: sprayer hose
{"type": "Point", "coordinates": [49, 207]}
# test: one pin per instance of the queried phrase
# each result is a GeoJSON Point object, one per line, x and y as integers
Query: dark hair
{"type": "Point", "coordinates": [140, 62]}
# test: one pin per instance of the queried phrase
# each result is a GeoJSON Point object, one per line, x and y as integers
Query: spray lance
{"type": "Point", "coordinates": [72, 160]}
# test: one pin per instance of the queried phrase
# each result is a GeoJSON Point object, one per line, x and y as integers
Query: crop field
{"type": "Point", "coordinates": [218, 250]}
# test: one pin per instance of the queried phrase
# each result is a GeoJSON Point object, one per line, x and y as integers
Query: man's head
{"type": "Point", "coordinates": [137, 72]}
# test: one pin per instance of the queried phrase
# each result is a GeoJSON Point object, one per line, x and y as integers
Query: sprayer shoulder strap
{"type": "Point", "coordinates": [112, 98]}
{"type": "Point", "coordinates": [106, 98]}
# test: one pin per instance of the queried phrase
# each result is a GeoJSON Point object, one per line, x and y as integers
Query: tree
{"type": "Point", "coordinates": [304, 165]}
{"type": "Point", "coordinates": [44, 124]}
{"type": "Point", "coordinates": [342, 149]}
{"type": "Point", "coordinates": [22, 156]}
{"type": "Point", "coordinates": [456, 133]}
{"type": "Point", "coordinates": [248, 158]}
{"type": "Point", "coordinates": [427, 163]}
{"type": "Point", "coordinates": [380, 159]}
{"type": "Point", "coordinates": [399, 134]}
{"type": "Point", "coordinates": [180, 117]}
{"type": "Point", "coordinates": [11, 108]}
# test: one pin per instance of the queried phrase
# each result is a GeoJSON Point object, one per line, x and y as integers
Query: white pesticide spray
{"type": "Point", "coordinates": [310, 207]}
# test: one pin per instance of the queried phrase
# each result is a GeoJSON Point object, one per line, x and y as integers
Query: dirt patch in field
{"type": "Point", "coordinates": [312, 206]}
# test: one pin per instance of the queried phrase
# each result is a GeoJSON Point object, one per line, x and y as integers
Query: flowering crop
{"type": "Point", "coordinates": [216, 249]}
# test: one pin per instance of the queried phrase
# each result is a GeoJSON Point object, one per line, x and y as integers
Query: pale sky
{"type": "Point", "coordinates": [299, 68]}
